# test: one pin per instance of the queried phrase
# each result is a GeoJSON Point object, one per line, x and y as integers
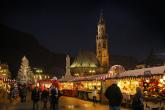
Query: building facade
{"type": "Point", "coordinates": [4, 71]}
{"type": "Point", "coordinates": [102, 51]}
{"type": "Point", "coordinates": [89, 63]}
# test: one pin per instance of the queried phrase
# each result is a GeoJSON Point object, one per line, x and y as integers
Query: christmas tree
{"type": "Point", "coordinates": [25, 75]}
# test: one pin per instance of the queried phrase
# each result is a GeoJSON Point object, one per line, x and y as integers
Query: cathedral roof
{"type": "Point", "coordinates": [85, 59]}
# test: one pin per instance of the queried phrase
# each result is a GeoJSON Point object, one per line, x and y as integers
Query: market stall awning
{"type": "Point", "coordinates": [143, 72]}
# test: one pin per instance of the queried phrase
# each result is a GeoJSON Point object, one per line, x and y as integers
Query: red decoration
{"type": "Point", "coordinates": [55, 83]}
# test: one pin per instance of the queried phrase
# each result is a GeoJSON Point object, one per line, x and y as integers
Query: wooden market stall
{"type": "Point", "coordinates": [46, 83]}
{"type": "Point", "coordinates": [150, 80]}
{"type": "Point", "coordinates": [82, 87]}
{"type": "Point", "coordinates": [68, 89]}
{"type": "Point", "coordinates": [85, 89]}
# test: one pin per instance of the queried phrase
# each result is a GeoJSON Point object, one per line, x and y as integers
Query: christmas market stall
{"type": "Point", "coordinates": [82, 87]}
{"type": "Point", "coordinates": [5, 84]}
{"type": "Point", "coordinates": [150, 80]}
{"type": "Point", "coordinates": [86, 88]}
{"type": "Point", "coordinates": [46, 83]}
{"type": "Point", "coordinates": [68, 89]}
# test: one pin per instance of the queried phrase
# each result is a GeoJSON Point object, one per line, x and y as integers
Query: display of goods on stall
{"type": "Point", "coordinates": [151, 88]}
{"type": "Point", "coordinates": [4, 86]}
{"type": "Point", "coordinates": [80, 86]}
{"type": "Point", "coordinates": [66, 86]}
{"type": "Point", "coordinates": [89, 85]}
{"type": "Point", "coordinates": [46, 83]}
{"type": "Point", "coordinates": [162, 86]}
{"type": "Point", "coordinates": [128, 86]}
{"type": "Point", "coordinates": [68, 89]}
{"type": "Point", "coordinates": [1, 85]}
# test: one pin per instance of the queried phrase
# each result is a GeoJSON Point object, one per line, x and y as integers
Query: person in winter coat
{"type": "Point", "coordinates": [55, 94]}
{"type": "Point", "coordinates": [114, 95]}
{"type": "Point", "coordinates": [137, 103]}
{"type": "Point", "coordinates": [94, 93]}
{"type": "Point", "coordinates": [23, 93]}
{"type": "Point", "coordinates": [35, 96]}
{"type": "Point", "coordinates": [44, 98]}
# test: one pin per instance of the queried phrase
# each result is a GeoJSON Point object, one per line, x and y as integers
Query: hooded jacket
{"type": "Point", "coordinates": [114, 95]}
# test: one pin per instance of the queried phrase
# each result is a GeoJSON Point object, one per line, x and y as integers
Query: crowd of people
{"type": "Point", "coordinates": [51, 95]}
{"type": "Point", "coordinates": [18, 93]}
{"type": "Point", "coordinates": [47, 95]}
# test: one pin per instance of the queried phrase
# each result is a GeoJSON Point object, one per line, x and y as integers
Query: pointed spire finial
{"type": "Point", "coordinates": [101, 20]}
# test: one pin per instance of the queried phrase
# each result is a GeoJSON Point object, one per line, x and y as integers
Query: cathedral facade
{"type": "Point", "coordinates": [89, 63]}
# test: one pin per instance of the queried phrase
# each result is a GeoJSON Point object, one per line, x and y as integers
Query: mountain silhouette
{"type": "Point", "coordinates": [15, 44]}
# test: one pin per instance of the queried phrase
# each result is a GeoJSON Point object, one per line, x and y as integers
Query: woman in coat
{"type": "Point", "coordinates": [137, 103]}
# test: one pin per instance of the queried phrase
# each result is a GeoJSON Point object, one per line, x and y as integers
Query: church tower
{"type": "Point", "coordinates": [102, 52]}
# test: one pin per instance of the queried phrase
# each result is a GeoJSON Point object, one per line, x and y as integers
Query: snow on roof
{"type": "Point", "coordinates": [139, 72]}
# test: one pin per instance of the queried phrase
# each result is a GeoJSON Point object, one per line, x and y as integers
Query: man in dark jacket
{"type": "Point", "coordinates": [55, 94]}
{"type": "Point", "coordinates": [35, 97]}
{"type": "Point", "coordinates": [44, 98]}
{"type": "Point", "coordinates": [114, 95]}
{"type": "Point", "coordinates": [23, 93]}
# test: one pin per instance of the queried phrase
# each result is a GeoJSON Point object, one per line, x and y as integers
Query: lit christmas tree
{"type": "Point", "coordinates": [25, 75]}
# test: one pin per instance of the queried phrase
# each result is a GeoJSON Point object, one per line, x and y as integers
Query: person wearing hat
{"type": "Point", "coordinates": [114, 95]}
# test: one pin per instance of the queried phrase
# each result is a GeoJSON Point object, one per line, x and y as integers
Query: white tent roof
{"type": "Point", "coordinates": [138, 72]}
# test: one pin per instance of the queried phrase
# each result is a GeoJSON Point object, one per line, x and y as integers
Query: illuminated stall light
{"type": "Point", "coordinates": [161, 80]}
{"type": "Point", "coordinates": [147, 80]}
{"type": "Point", "coordinates": [40, 77]}
{"type": "Point", "coordinates": [164, 77]}
{"type": "Point", "coordinates": [37, 84]}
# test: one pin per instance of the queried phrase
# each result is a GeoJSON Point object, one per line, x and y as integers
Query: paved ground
{"type": "Point", "coordinates": [66, 103]}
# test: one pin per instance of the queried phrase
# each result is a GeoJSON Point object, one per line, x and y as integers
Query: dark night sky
{"type": "Point", "coordinates": [134, 27]}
